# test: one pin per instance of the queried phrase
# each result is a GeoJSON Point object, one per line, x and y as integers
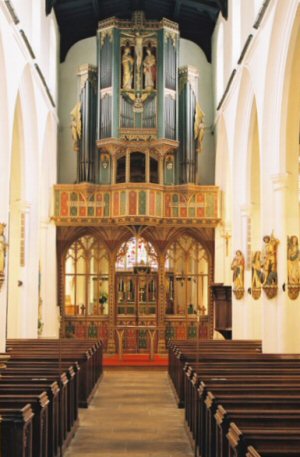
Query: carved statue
{"type": "Point", "coordinates": [127, 63]}
{"type": "Point", "coordinates": [149, 65]}
{"type": "Point", "coordinates": [293, 258]}
{"type": "Point", "coordinates": [76, 125]}
{"type": "Point", "coordinates": [199, 127]}
{"type": "Point", "coordinates": [257, 275]}
{"type": "Point", "coordinates": [138, 50]}
{"type": "Point", "coordinates": [238, 267]}
{"type": "Point", "coordinates": [3, 247]}
{"type": "Point", "coordinates": [269, 260]}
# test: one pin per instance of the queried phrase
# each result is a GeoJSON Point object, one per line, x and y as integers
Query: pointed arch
{"type": "Point", "coordinates": [283, 38]}
{"type": "Point", "coordinates": [241, 141]}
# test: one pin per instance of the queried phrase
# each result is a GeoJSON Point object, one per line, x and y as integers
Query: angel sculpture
{"type": "Point", "coordinates": [76, 125]}
{"type": "Point", "coordinates": [199, 127]}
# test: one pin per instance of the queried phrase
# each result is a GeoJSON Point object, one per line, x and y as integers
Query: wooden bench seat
{"type": "Point", "coordinates": [16, 431]}
{"type": "Point", "coordinates": [39, 404]}
{"type": "Point", "coordinates": [236, 400]}
{"type": "Point", "coordinates": [52, 391]}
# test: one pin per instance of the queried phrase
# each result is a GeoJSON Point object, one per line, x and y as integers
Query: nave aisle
{"type": "Point", "coordinates": [132, 414]}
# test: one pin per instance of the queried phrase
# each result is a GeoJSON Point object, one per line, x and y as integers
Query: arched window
{"type": "Point", "coordinates": [136, 252]}
{"type": "Point", "coordinates": [236, 32]}
{"type": "Point", "coordinates": [86, 278]}
{"type": "Point", "coordinates": [154, 170]}
{"type": "Point", "coordinates": [121, 170]}
{"type": "Point", "coordinates": [137, 167]}
{"type": "Point", "coordinates": [186, 277]}
{"type": "Point", "coordinates": [220, 63]}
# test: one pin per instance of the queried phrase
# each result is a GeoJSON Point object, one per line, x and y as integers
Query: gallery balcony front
{"type": "Point", "coordinates": [136, 203]}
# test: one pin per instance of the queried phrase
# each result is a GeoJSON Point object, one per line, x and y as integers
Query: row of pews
{"type": "Point", "coordinates": [42, 385]}
{"type": "Point", "coordinates": [238, 402]}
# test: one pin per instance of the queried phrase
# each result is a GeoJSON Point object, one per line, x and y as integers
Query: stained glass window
{"type": "Point", "coordinates": [134, 252]}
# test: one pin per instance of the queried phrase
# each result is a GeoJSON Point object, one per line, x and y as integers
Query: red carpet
{"type": "Point", "coordinates": [135, 360]}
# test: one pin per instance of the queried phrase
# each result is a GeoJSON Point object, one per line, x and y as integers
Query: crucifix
{"type": "Point", "coordinates": [227, 237]}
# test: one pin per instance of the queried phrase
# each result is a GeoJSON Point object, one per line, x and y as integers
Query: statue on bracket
{"type": "Point", "coordinates": [199, 128]}
{"type": "Point", "coordinates": [127, 64]}
{"type": "Point", "coordinates": [257, 276]}
{"type": "Point", "coordinates": [149, 65]}
{"type": "Point", "coordinates": [293, 259]}
{"type": "Point", "coordinates": [269, 265]}
{"type": "Point", "coordinates": [238, 267]}
{"type": "Point", "coordinates": [76, 125]}
{"type": "Point", "coordinates": [3, 248]}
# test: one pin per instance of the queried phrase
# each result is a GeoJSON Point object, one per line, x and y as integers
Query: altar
{"type": "Point", "coordinates": [150, 330]}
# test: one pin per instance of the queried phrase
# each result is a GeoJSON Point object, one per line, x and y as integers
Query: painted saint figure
{"type": "Point", "coordinates": [257, 275]}
{"type": "Point", "coordinates": [127, 64]}
{"type": "Point", "coordinates": [293, 258]}
{"type": "Point", "coordinates": [3, 246]}
{"type": "Point", "coordinates": [238, 267]}
{"type": "Point", "coordinates": [76, 125]}
{"type": "Point", "coordinates": [269, 260]}
{"type": "Point", "coordinates": [149, 65]}
{"type": "Point", "coordinates": [199, 127]}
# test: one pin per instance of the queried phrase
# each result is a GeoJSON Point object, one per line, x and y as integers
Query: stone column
{"type": "Point", "coordinates": [161, 303]}
{"type": "Point", "coordinates": [281, 316]}
{"type": "Point", "coordinates": [111, 345]}
{"type": "Point", "coordinates": [127, 166]}
{"type": "Point", "coordinates": [48, 289]}
{"type": "Point", "coordinates": [239, 307]}
{"type": "Point", "coordinates": [147, 158]}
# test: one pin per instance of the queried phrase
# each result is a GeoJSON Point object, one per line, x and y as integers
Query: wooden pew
{"type": "Point", "coordinates": [16, 431]}
{"type": "Point", "coordinates": [37, 364]}
{"type": "Point", "coordinates": [217, 405]}
{"type": "Point", "coordinates": [39, 404]}
{"type": "Point", "coordinates": [87, 353]}
{"type": "Point", "coordinates": [53, 408]}
{"type": "Point", "coordinates": [183, 352]}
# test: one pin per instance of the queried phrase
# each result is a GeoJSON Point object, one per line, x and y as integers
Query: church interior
{"type": "Point", "coordinates": [149, 228]}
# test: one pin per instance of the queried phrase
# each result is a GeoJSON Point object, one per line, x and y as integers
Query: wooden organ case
{"type": "Point", "coordinates": [137, 128]}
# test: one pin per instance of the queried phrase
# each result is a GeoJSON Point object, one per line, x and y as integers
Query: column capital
{"type": "Point", "coordinates": [280, 181]}
{"type": "Point", "coordinates": [245, 210]}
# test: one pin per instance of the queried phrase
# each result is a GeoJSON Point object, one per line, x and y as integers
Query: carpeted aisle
{"type": "Point", "coordinates": [135, 360]}
{"type": "Point", "coordinates": [133, 414]}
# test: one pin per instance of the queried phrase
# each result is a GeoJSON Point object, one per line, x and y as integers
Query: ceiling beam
{"type": "Point", "coordinates": [96, 7]}
{"type": "Point", "coordinates": [176, 9]}
{"type": "Point", "coordinates": [201, 8]}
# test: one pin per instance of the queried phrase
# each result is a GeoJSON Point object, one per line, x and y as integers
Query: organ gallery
{"type": "Point", "coordinates": [135, 232]}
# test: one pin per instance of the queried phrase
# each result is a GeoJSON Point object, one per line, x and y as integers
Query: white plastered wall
{"type": "Point", "coordinates": [264, 87]}
{"type": "Point", "coordinates": [23, 95]}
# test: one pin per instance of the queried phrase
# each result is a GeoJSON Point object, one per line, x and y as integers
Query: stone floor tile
{"type": "Point", "coordinates": [133, 414]}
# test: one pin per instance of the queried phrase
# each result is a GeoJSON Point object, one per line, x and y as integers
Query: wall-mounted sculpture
{"type": "Point", "coordinates": [293, 259]}
{"type": "Point", "coordinates": [3, 248]}
{"type": "Point", "coordinates": [238, 268]}
{"type": "Point", "coordinates": [76, 126]}
{"type": "Point", "coordinates": [257, 276]}
{"type": "Point", "coordinates": [269, 265]}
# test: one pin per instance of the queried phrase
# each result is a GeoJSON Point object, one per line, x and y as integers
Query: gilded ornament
{"type": "Point", "coordinates": [257, 276]}
{"type": "Point", "coordinates": [269, 265]}
{"type": "Point", "coordinates": [172, 36]}
{"type": "Point", "coordinates": [199, 128]}
{"type": "Point", "coordinates": [76, 125]}
{"type": "Point", "coordinates": [3, 249]}
{"type": "Point", "coordinates": [293, 258]}
{"type": "Point", "coordinates": [293, 292]}
{"type": "Point", "coordinates": [106, 33]}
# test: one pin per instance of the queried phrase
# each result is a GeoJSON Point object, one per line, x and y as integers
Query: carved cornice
{"type": "Point", "coordinates": [138, 22]}
{"type": "Point", "coordinates": [188, 74]}
{"type": "Point", "coordinates": [135, 141]}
